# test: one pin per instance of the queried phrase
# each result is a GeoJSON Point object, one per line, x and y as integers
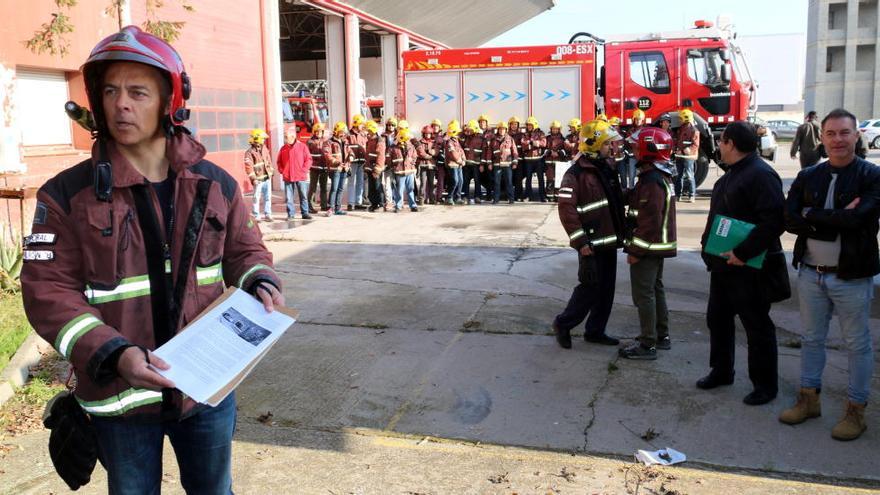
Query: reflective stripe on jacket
{"type": "Point", "coordinates": [651, 215]}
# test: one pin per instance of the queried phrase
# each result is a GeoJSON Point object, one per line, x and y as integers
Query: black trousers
{"type": "Point", "coordinates": [518, 176]}
{"type": "Point", "coordinates": [733, 293]}
{"type": "Point", "coordinates": [592, 302]}
{"type": "Point", "coordinates": [318, 181]}
{"type": "Point", "coordinates": [535, 167]}
{"type": "Point", "coordinates": [375, 191]}
{"type": "Point", "coordinates": [470, 173]}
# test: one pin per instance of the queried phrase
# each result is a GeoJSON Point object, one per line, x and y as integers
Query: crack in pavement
{"type": "Point", "coordinates": [612, 367]}
{"type": "Point", "coordinates": [524, 244]}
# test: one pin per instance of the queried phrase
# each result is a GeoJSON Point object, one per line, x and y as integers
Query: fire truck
{"type": "Point", "coordinates": [660, 73]}
{"type": "Point", "coordinates": [304, 103]}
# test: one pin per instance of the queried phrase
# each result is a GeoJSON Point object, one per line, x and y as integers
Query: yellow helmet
{"type": "Point", "coordinates": [473, 125]}
{"type": "Point", "coordinates": [318, 126]}
{"type": "Point", "coordinates": [454, 128]}
{"type": "Point", "coordinates": [403, 124]}
{"type": "Point", "coordinates": [614, 121]}
{"type": "Point", "coordinates": [514, 119]}
{"type": "Point", "coordinates": [638, 114]}
{"type": "Point", "coordinates": [594, 134]}
{"type": "Point", "coordinates": [437, 122]}
{"type": "Point", "coordinates": [602, 117]}
{"type": "Point", "coordinates": [555, 124]}
{"type": "Point", "coordinates": [372, 126]}
{"type": "Point", "coordinates": [403, 135]}
{"type": "Point", "coordinates": [502, 125]}
{"type": "Point", "coordinates": [340, 128]}
{"type": "Point", "coordinates": [357, 120]}
{"type": "Point", "coordinates": [392, 121]}
{"type": "Point", "coordinates": [483, 116]}
{"type": "Point", "coordinates": [258, 136]}
{"type": "Point", "coordinates": [686, 115]}
{"type": "Point", "coordinates": [532, 121]}
{"type": "Point", "coordinates": [576, 123]}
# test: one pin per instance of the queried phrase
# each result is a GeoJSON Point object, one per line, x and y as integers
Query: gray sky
{"type": "Point", "coordinates": [602, 18]}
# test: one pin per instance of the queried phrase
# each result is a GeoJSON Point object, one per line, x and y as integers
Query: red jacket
{"type": "Point", "coordinates": [502, 150]}
{"type": "Point", "coordinates": [375, 162]}
{"type": "Point", "coordinates": [356, 142]}
{"type": "Point", "coordinates": [426, 149]}
{"type": "Point", "coordinates": [336, 154]}
{"type": "Point", "coordinates": [588, 214]}
{"type": "Point", "coordinates": [572, 141]}
{"type": "Point", "coordinates": [556, 149]}
{"type": "Point", "coordinates": [454, 152]}
{"type": "Point", "coordinates": [402, 159]}
{"type": "Point", "coordinates": [294, 162]}
{"type": "Point", "coordinates": [533, 144]}
{"type": "Point", "coordinates": [316, 150]}
{"type": "Point", "coordinates": [474, 149]}
{"type": "Point", "coordinates": [89, 286]}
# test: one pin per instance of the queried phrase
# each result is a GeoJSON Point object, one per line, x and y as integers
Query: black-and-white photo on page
{"type": "Point", "coordinates": [243, 327]}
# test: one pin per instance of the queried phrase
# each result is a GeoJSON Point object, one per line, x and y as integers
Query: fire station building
{"type": "Point", "coordinates": [238, 54]}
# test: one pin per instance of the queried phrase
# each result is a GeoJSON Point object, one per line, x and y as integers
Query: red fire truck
{"type": "Point", "coordinates": [701, 69]}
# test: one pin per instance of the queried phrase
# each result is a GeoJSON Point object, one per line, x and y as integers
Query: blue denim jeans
{"type": "Point", "coordinates": [301, 188]}
{"type": "Point", "coordinates": [337, 184]}
{"type": "Point", "coordinates": [505, 173]}
{"type": "Point", "coordinates": [820, 294]}
{"type": "Point", "coordinates": [263, 190]}
{"type": "Point", "coordinates": [356, 184]}
{"type": "Point", "coordinates": [132, 452]}
{"type": "Point", "coordinates": [405, 185]}
{"type": "Point", "coordinates": [685, 182]}
{"type": "Point", "coordinates": [456, 180]}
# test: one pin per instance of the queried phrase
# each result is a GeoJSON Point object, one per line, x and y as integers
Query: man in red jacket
{"type": "Point", "coordinates": [294, 162]}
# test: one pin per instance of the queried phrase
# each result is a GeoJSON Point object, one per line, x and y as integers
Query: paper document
{"type": "Point", "coordinates": [727, 233]}
{"type": "Point", "coordinates": [217, 350]}
{"type": "Point", "coordinates": [665, 457]}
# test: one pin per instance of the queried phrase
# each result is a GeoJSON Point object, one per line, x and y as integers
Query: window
{"type": "Point", "coordinates": [876, 124]}
{"type": "Point", "coordinates": [835, 59]}
{"type": "Point", "coordinates": [837, 16]}
{"type": "Point", "coordinates": [706, 69]}
{"type": "Point", "coordinates": [865, 56]}
{"type": "Point", "coordinates": [867, 14]}
{"type": "Point", "coordinates": [648, 69]}
{"type": "Point", "coordinates": [40, 94]}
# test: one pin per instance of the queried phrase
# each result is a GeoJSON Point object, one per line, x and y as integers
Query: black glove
{"type": "Point", "coordinates": [588, 271]}
{"type": "Point", "coordinates": [73, 445]}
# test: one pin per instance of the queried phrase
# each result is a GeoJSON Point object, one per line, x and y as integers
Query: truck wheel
{"type": "Point", "coordinates": [701, 168]}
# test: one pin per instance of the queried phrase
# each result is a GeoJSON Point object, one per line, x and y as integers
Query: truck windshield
{"type": "Point", "coordinates": [706, 69]}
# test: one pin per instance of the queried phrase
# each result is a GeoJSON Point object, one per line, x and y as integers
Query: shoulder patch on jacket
{"type": "Point", "coordinates": [217, 174]}
{"type": "Point", "coordinates": [68, 183]}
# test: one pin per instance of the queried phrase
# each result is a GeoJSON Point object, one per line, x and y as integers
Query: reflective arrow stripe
{"type": "Point", "coordinates": [121, 403]}
{"type": "Point", "coordinates": [209, 274]}
{"type": "Point", "coordinates": [72, 331]}
{"type": "Point", "coordinates": [128, 288]}
{"type": "Point", "coordinates": [592, 206]}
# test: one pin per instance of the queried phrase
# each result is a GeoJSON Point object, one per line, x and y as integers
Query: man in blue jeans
{"type": "Point", "coordinates": [833, 208]}
{"type": "Point", "coordinates": [687, 150]}
{"type": "Point", "coordinates": [294, 162]}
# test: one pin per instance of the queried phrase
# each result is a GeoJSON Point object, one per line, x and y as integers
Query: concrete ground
{"type": "Point", "coordinates": [423, 363]}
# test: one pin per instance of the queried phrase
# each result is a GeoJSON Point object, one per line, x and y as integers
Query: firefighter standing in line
{"type": "Point", "coordinates": [591, 211]}
{"type": "Point", "coordinates": [439, 160]}
{"type": "Point", "coordinates": [390, 180]}
{"type": "Point", "coordinates": [650, 239]}
{"type": "Point", "coordinates": [687, 146]}
{"type": "Point", "coordinates": [533, 145]}
{"type": "Point", "coordinates": [258, 167]}
{"type": "Point", "coordinates": [426, 150]}
{"type": "Point", "coordinates": [318, 173]}
{"type": "Point", "coordinates": [374, 166]}
{"type": "Point", "coordinates": [338, 159]}
{"type": "Point", "coordinates": [515, 132]}
{"type": "Point", "coordinates": [556, 154]}
{"type": "Point", "coordinates": [487, 178]}
{"type": "Point", "coordinates": [455, 159]}
{"type": "Point", "coordinates": [474, 152]}
{"type": "Point", "coordinates": [573, 139]}
{"type": "Point", "coordinates": [502, 149]}
{"type": "Point", "coordinates": [628, 173]}
{"type": "Point", "coordinates": [356, 140]}
{"type": "Point", "coordinates": [402, 161]}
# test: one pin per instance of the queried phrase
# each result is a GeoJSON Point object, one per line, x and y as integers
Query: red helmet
{"type": "Point", "coordinates": [654, 145]}
{"type": "Point", "coordinates": [427, 130]}
{"type": "Point", "coordinates": [133, 45]}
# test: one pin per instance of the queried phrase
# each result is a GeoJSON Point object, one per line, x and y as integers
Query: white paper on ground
{"type": "Point", "coordinates": [664, 457]}
{"type": "Point", "coordinates": [219, 348]}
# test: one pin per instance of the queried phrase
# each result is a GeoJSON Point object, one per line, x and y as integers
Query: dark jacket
{"type": "Point", "coordinates": [857, 227]}
{"type": "Point", "coordinates": [591, 206]}
{"type": "Point", "coordinates": [750, 191]}
{"type": "Point", "coordinates": [651, 215]}
{"type": "Point", "coordinates": [806, 141]}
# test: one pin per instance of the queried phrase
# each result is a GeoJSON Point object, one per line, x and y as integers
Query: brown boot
{"type": "Point", "coordinates": [807, 406]}
{"type": "Point", "coordinates": [853, 423]}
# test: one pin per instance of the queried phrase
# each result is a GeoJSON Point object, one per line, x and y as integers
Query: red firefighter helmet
{"type": "Point", "coordinates": [654, 145]}
{"type": "Point", "coordinates": [133, 45]}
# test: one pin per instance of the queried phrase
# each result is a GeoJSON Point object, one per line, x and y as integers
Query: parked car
{"type": "Point", "coordinates": [870, 130]}
{"type": "Point", "coordinates": [784, 129]}
{"type": "Point", "coordinates": [768, 146]}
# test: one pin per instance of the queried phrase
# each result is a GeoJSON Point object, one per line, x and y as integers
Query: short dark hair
{"type": "Point", "coordinates": [812, 114]}
{"type": "Point", "coordinates": [841, 113]}
{"type": "Point", "coordinates": [744, 136]}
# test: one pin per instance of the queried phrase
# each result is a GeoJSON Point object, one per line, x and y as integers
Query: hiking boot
{"type": "Point", "coordinates": [637, 351]}
{"type": "Point", "coordinates": [664, 344]}
{"type": "Point", "coordinates": [562, 337]}
{"type": "Point", "coordinates": [852, 425]}
{"type": "Point", "coordinates": [601, 339]}
{"type": "Point", "coordinates": [807, 406]}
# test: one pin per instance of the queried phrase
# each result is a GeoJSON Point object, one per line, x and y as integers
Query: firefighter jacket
{"type": "Point", "coordinates": [454, 153]}
{"type": "Point", "coordinates": [294, 162]}
{"type": "Point", "coordinates": [375, 161]}
{"type": "Point", "coordinates": [533, 144]}
{"type": "Point", "coordinates": [100, 276]}
{"type": "Point", "coordinates": [474, 149]}
{"type": "Point", "coordinates": [591, 205]}
{"type": "Point", "coordinates": [502, 149]}
{"type": "Point", "coordinates": [336, 154]}
{"type": "Point", "coordinates": [651, 215]}
{"type": "Point", "coordinates": [426, 151]}
{"type": "Point", "coordinates": [517, 138]}
{"type": "Point", "coordinates": [356, 142]}
{"type": "Point", "coordinates": [572, 141]}
{"type": "Point", "coordinates": [556, 151]}
{"type": "Point", "coordinates": [316, 149]}
{"type": "Point", "coordinates": [687, 142]}
{"type": "Point", "coordinates": [402, 159]}
{"type": "Point", "coordinates": [440, 147]}
{"type": "Point", "coordinates": [258, 163]}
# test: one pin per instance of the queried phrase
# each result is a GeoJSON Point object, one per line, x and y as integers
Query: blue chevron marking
{"type": "Point", "coordinates": [565, 94]}
{"type": "Point", "coordinates": [473, 97]}
{"type": "Point", "coordinates": [489, 96]}
{"type": "Point", "coordinates": [504, 95]}
{"type": "Point", "coordinates": [419, 98]}
{"type": "Point", "coordinates": [448, 97]}
{"type": "Point", "coordinates": [548, 95]}
{"type": "Point", "coordinates": [520, 95]}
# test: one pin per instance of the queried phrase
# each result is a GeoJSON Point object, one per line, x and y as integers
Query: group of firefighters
{"type": "Point", "coordinates": [384, 168]}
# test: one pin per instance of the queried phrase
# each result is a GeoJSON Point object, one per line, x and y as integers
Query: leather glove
{"type": "Point", "coordinates": [73, 445]}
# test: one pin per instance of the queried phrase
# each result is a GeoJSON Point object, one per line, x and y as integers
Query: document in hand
{"type": "Point", "coordinates": [727, 233]}
{"type": "Point", "coordinates": [217, 350]}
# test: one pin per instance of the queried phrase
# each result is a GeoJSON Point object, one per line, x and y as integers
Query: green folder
{"type": "Point", "coordinates": [728, 233]}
